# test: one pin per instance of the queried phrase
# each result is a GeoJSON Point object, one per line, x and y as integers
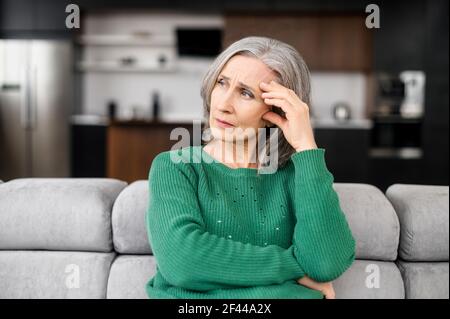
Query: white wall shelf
{"type": "Point", "coordinates": [136, 39]}
{"type": "Point", "coordinates": [116, 66]}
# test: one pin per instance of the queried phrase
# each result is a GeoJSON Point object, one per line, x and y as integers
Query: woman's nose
{"type": "Point", "coordinates": [226, 102]}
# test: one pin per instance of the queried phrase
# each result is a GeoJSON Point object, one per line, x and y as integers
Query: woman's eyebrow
{"type": "Point", "coordinates": [245, 86]}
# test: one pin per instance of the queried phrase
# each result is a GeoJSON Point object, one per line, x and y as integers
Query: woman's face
{"type": "Point", "coordinates": [236, 97]}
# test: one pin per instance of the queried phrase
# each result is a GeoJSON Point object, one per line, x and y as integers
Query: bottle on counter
{"type": "Point", "coordinates": [156, 107]}
{"type": "Point", "coordinates": [112, 110]}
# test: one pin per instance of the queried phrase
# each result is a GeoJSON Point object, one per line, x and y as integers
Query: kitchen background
{"type": "Point", "coordinates": [101, 100]}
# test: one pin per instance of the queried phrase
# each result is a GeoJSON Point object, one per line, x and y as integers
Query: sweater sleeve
{"type": "Point", "coordinates": [323, 242]}
{"type": "Point", "coordinates": [190, 257]}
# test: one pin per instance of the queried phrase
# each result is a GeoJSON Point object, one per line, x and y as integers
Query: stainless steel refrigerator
{"type": "Point", "coordinates": [36, 88]}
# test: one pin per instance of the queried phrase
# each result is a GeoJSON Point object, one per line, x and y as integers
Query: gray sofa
{"type": "Point", "coordinates": [86, 238]}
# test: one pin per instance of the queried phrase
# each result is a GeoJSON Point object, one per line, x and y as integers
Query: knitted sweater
{"type": "Point", "coordinates": [222, 232]}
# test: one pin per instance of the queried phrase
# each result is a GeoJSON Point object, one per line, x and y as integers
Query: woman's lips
{"type": "Point", "coordinates": [223, 124]}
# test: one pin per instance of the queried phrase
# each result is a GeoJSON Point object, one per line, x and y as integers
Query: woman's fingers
{"type": "Point", "coordinates": [274, 118]}
{"type": "Point", "coordinates": [272, 85]}
{"type": "Point", "coordinates": [281, 103]}
{"type": "Point", "coordinates": [329, 291]}
{"type": "Point", "coordinates": [330, 296]}
{"type": "Point", "coordinates": [276, 90]}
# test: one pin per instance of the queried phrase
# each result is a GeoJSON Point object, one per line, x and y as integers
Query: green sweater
{"type": "Point", "coordinates": [221, 232]}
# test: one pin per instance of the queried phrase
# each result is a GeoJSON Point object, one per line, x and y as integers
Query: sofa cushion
{"type": "Point", "coordinates": [50, 274]}
{"type": "Point", "coordinates": [425, 280]}
{"type": "Point", "coordinates": [129, 276]}
{"type": "Point", "coordinates": [128, 220]}
{"type": "Point", "coordinates": [372, 220]}
{"type": "Point", "coordinates": [58, 213]}
{"type": "Point", "coordinates": [423, 211]}
{"type": "Point", "coordinates": [367, 279]}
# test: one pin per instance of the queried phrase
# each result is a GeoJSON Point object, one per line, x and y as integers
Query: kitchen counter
{"type": "Point", "coordinates": [316, 123]}
{"type": "Point", "coordinates": [362, 124]}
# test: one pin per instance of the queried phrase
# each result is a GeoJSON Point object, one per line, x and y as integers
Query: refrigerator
{"type": "Point", "coordinates": [36, 97]}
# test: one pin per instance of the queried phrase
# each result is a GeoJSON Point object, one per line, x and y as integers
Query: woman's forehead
{"type": "Point", "coordinates": [249, 70]}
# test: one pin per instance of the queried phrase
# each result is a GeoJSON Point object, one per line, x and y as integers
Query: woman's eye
{"type": "Point", "coordinates": [247, 93]}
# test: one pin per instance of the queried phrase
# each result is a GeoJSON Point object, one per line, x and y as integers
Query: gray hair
{"type": "Point", "coordinates": [289, 66]}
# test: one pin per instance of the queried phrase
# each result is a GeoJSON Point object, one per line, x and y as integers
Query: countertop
{"type": "Point", "coordinates": [364, 124]}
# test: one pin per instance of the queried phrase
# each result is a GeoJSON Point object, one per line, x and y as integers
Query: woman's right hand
{"type": "Point", "coordinates": [326, 288]}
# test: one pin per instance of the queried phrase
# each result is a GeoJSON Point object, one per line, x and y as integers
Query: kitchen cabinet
{"type": "Point", "coordinates": [88, 151]}
{"type": "Point", "coordinates": [399, 43]}
{"type": "Point", "coordinates": [16, 15]}
{"type": "Point", "coordinates": [384, 172]}
{"type": "Point", "coordinates": [88, 147]}
{"type": "Point", "coordinates": [132, 146]}
{"type": "Point", "coordinates": [414, 36]}
{"type": "Point", "coordinates": [327, 42]}
{"type": "Point", "coordinates": [37, 18]}
{"type": "Point", "coordinates": [346, 152]}
{"type": "Point", "coordinates": [51, 15]}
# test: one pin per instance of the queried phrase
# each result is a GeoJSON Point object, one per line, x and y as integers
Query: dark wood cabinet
{"type": "Point", "coordinates": [132, 146]}
{"type": "Point", "coordinates": [331, 42]}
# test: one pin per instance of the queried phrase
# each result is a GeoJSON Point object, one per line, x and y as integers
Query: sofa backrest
{"type": "Point", "coordinates": [55, 237]}
{"type": "Point", "coordinates": [423, 211]}
{"type": "Point", "coordinates": [128, 220]}
{"type": "Point", "coordinates": [58, 214]}
{"type": "Point", "coordinates": [372, 219]}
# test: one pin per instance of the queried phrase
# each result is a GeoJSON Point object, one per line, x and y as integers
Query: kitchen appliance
{"type": "Point", "coordinates": [390, 92]}
{"type": "Point", "coordinates": [156, 107]}
{"type": "Point", "coordinates": [35, 105]}
{"type": "Point", "coordinates": [414, 82]}
{"type": "Point", "coordinates": [398, 116]}
{"type": "Point", "coordinates": [400, 94]}
{"type": "Point", "coordinates": [341, 111]}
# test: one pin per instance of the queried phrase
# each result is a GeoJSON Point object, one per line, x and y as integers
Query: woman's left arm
{"type": "Point", "coordinates": [323, 241]}
{"type": "Point", "coordinates": [324, 244]}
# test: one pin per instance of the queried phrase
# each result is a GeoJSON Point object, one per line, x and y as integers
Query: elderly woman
{"type": "Point", "coordinates": [221, 229]}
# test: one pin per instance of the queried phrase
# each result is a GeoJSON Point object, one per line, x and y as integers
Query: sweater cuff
{"type": "Point", "coordinates": [291, 266]}
{"type": "Point", "coordinates": [310, 163]}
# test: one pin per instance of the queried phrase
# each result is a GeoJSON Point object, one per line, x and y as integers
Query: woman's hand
{"type": "Point", "coordinates": [296, 127]}
{"type": "Point", "coordinates": [326, 288]}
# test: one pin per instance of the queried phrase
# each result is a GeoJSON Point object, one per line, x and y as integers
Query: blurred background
{"type": "Point", "coordinates": [101, 100]}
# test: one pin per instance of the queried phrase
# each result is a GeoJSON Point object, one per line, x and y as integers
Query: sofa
{"type": "Point", "coordinates": [86, 238]}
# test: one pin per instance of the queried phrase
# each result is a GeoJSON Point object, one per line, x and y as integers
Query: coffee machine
{"type": "Point", "coordinates": [400, 94]}
{"type": "Point", "coordinates": [414, 90]}
{"type": "Point", "coordinates": [398, 115]}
